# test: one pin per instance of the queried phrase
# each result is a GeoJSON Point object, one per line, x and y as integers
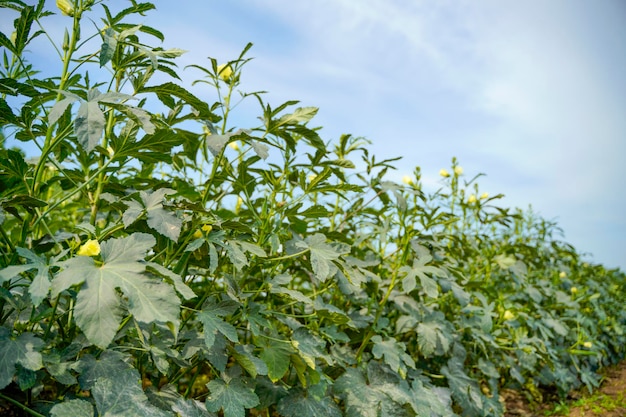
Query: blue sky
{"type": "Point", "coordinates": [532, 93]}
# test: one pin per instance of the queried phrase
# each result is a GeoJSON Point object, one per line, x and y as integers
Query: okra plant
{"type": "Point", "coordinates": [157, 259]}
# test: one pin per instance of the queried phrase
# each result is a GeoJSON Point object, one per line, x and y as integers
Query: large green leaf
{"type": "Point", "coordinates": [433, 335]}
{"type": "Point", "coordinates": [191, 408]}
{"type": "Point", "coordinates": [22, 28]}
{"type": "Point", "coordinates": [176, 279]}
{"type": "Point", "coordinates": [98, 309]}
{"type": "Point", "coordinates": [393, 353]}
{"type": "Point", "coordinates": [74, 408]}
{"type": "Point", "coordinates": [167, 90]}
{"type": "Point", "coordinates": [464, 389]}
{"type": "Point", "coordinates": [233, 398]}
{"type": "Point", "coordinates": [108, 365]}
{"type": "Point", "coordinates": [276, 356]}
{"type": "Point", "coordinates": [380, 393]}
{"type": "Point", "coordinates": [89, 125]}
{"type": "Point", "coordinates": [420, 269]}
{"type": "Point", "coordinates": [245, 357]}
{"type": "Point", "coordinates": [109, 44]}
{"type": "Point", "coordinates": [122, 396]}
{"type": "Point", "coordinates": [22, 350]}
{"type": "Point", "coordinates": [40, 285]}
{"type": "Point", "coordinates": [300, 115]}
{"type": "Point", "coordinates": [300, 403]}
{"type": "Point", "coordinates": [210, 318]}
{"type": "Point", "coordinates": [310, 347]}
{"type": "Point", "coordinates": [322, 255]}
{"type": "Point", "coordinates": [159, 219]}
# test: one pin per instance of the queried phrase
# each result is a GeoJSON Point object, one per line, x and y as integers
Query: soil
{"type": "Point", "coordinates": [613, 386]}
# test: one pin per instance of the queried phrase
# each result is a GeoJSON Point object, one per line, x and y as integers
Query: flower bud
{"type": "Point", "coordinates": [458, 170]}
{"type": "Point", "coordinates": [563, 275]}
{"type": "Point", "coordinates": [66, 41]}
{"type": "Point", "coordinates": [224, 71]}
{"type": "Point", "coordinates": [573, 290]}
{"type": "Point", "coordinates": [444, 173]}
{"type": "Point", "coordinates": [471, 199]}
{"type": "Point", "coordinates": [66, 7]}
{"type": "Point", "coordinates": [484, 196]}
{"type": "Point", "coordinates": [407, 180]}
{"type": "Point", "coordinates": [588, 345]}
{"type": "Point", "coordinates": [508, 315]}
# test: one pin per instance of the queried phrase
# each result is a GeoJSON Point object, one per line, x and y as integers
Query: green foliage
{"type": "Point", "coordinates": [155, 259]}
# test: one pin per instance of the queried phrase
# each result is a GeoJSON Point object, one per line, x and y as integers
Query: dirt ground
{"type": "Point", "coordinates": [609, 401]}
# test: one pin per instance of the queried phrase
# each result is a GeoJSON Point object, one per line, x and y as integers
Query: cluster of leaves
{"type": "Point", "coordinates": [163, 262]}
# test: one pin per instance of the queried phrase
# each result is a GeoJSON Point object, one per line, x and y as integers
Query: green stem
{"type": "Point", "coordinates": [383, 301]}
{"type": "Point", "coordinates": [73, 192]}
{"type": "Point", "coordinates": [20, 405]}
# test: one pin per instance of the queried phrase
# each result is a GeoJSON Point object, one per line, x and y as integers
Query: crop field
{"type": "Point", "coordinates": [158, 260]}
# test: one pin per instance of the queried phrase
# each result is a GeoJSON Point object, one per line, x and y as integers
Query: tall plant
{"type": "Point", "coordinates": [158, 260]}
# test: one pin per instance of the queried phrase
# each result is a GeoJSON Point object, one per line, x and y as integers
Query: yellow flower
{"type": "Point", "coordinates": [444, 173]}
{"type": "Point", "coordinates": [573, 290]}
{"type": "Point", "coordinates": [407, 180]}
{"type": "Point", "coordinates": [89, 248]}
{"type": "Point", "coordinates": [588, 345]}
{"type": "Point", "coordinates": [508, 315]}
{"type": "Point", "coordinates": [471, 199]}
{"type": "Point", "coordinates": [224, 71]}
{"type": "Point", "coordinates": [484, 196]}
{"type": "Point", "coordinates": [66, 7]}
{"type": "Point", "coordinates": [458, 170]}
{"type": "Point", "coordinates": [234, 145]}
{"type": "Point", "coordinates": [563, 274]}
{"type": "Point", "coordinates": [206, 229]}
